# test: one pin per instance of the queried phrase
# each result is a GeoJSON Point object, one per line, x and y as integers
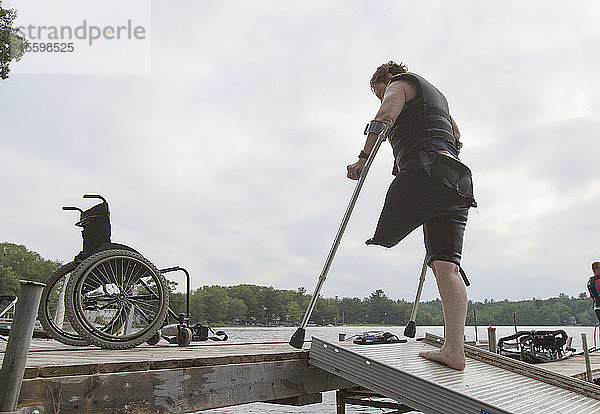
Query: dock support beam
{"type": "Point", "coordinates": [586, 355]}
{"type": "Point", "coordinates": [300, 400]}
{"type": "Point", "coordinates": [340, 405]}
{"type": "Point", "coordinates": [363, 397]}
{"type": "Point", "coordinates": [15, 357]}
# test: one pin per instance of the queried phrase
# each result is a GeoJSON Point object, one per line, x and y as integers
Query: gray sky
{"type": "Point", "coordinates": [229, 156]}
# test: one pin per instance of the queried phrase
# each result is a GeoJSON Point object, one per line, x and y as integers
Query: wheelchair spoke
{"type": "Point", "coordinates": [99, 298]}
{"type": "Point", "coordinates": [120, 267]}
{"type": "Point", "coordinates": [98, 280]}
{"type": "Point", "coordinates": [134, 276]}
{"type": "Point", "coordinates": [127, 280]}
{"type": "Point", "coordinates": [91, 287]}
{"type": "Point", "coordinates": [148, 306]}
{"type": "Point", "coordinates": [149, 289]}
{"type": "Point", "coordinates": [113, 271]}
{"type": "Point", "coordinates": [108, 304]}
{"type": "Point", "coordinates": [101, 277]}
{"type": "Point", "coordinates": [139, 309]}
{"type": "Point", "coordinates": [116, 323]}
{"type": "Point", "coordinates": [143, 297]}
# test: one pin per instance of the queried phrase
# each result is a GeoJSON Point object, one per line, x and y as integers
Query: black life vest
{"type": "Point", "coordinates": [593, 286]}
{"type": "Point", "coordinates": [424, 118]}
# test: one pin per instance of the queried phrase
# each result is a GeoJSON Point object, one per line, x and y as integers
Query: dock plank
{"type": "Point", "coordinates": [575, 366]}
{"type": "Point", "coordinates": [48, 361]}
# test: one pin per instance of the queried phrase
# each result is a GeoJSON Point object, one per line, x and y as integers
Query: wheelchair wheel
{"type": "Point", "coordinates": [51, 312]}
{"type": "Point", "coordinates": [117, 299]}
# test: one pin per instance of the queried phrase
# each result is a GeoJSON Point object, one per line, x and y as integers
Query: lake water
{"type": "Point", "coordinates": [263, 334]}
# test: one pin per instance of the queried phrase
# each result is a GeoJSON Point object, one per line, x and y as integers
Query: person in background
{"type": "Point", "coordinates": [593, 286]}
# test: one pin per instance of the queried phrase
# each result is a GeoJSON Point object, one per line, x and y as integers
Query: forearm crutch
{"type": "Point", "coordinates": [411, 327]}
{"type": "Point", "coordinates": [297, 339]}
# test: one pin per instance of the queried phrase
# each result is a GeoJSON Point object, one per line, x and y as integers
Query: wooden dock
{"type": "Point", "coordinates": [575, 366]}
{"type": "Point", "coordinates": [170, 379]}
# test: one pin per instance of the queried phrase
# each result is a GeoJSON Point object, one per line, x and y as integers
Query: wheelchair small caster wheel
{"type": "Point", "coordinates": [184, 336]}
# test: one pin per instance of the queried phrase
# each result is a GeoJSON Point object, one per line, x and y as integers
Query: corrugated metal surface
{"type": "Point", "coordinates": [396, 371]}
{"type": "Point", "coordinates": [538, 371]}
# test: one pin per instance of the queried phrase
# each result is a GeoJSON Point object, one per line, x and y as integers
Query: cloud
{"type": "Point", "coordinates": [229, 158]}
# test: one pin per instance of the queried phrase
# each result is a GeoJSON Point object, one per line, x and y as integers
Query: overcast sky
{"type": "Point", "coordinates": [228, 157]}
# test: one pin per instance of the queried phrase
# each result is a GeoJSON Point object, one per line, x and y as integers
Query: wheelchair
{"type": "Point", "coordinates": [111, 295]}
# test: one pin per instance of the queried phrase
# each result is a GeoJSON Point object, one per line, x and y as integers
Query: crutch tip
{"type": "Point", "coordinates": [297, 340]}
{"type": "Point", "coordinates": [410, 330]}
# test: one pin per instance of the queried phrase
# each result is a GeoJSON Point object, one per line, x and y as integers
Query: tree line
{"type": "Point", "coordinates": [260, 305]}
{"type": "Point", "coordinates": [249, 304]}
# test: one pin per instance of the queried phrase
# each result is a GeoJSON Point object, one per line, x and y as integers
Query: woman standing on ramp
{"type": "Point", "coordinates": [432, 188]}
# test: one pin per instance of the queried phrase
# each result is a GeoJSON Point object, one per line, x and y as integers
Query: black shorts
{"type": "Point", "coordinates": [432, 190]}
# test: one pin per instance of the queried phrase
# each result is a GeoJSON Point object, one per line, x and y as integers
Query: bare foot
{"type": "Point", "coordinates": [455, 360]}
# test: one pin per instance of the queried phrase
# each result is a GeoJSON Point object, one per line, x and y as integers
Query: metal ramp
{"type": "Point", "coordinates": [490, 384]}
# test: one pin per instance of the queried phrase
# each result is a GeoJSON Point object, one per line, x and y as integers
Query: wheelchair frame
{"type": "Point", "coordinates": [113, 297]}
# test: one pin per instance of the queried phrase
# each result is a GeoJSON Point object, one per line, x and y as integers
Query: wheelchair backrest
{"type": "Point", "coordinates": [95, 222]}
